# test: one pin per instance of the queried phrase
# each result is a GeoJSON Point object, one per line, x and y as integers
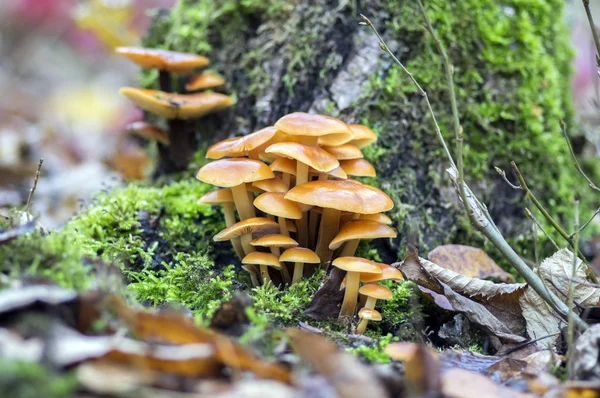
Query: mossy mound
{"type": "Point", "coordinates": [511, 64]}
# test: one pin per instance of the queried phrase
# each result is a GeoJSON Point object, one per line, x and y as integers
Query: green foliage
{"type": "Point", "coordinates": [375, 353]}
{"type": "Point", "coordinates": [402, 310]}
{"type": "Point", "coordinates": [30, 380]}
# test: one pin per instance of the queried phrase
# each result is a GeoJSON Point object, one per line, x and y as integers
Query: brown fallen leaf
{"type": "Point", "coordinates": [174, 328]}
{"type": "Point", "coordinates": [460, 383]}
{"type": "Point", "coordinates": [349, 377]}
{"type": "Point", "coordinates": [326, 302]}
{"type": "Point", "coordinates": [421, 367]}
{"type": "Point", "coordinates": [468, 261]}
{"type": "Point", "coordinates": [584, 364]}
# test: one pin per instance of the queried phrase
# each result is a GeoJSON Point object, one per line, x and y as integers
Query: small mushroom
{"type": "Point", "coordinates": [224, 198]}
{"type": "Point", "coordinates": [275, 184]}
{"type": "Point", "coordinates": [335, 196]}
{"type": "Point", "coordinates": [374, 292]}
{"type": "Point", "coordinates": [148, 131]}
{"type": "Point", "coordinates": [264, 260]}
{"type": "Point", "coordinates": [351, 233]}
{"type": "Point", "coordinates": [306, 156]}
{"type": "Point", "coordinates": [362, 135]}
{"type": "Point", "coordinates": [234, 173]}
{"type": "Point", "coordinates": [244, 230]}
{"type": "Point", "coordinates": [358, 168]}
{"type": "Point", "coordinates": [275, 204]}
{"type": "Point", "coordinates": [344, 152]}
{"type": "Point", "coordinates": [275, 243]}
{"type": "Point", "coordinates": [366, 315]}
{"type": "Point", "coordinates": [299, 256]}
{"type": "Point", "coordinates": [354, 266]}
{"type": "Point", "coordinates": [287, 168]}
{"type": "Point", "coordinates": [204, 80]}
{"type": "Point", "coordinates": [387, 273]}
{"type": "Point", "coordinates": [251, 269]}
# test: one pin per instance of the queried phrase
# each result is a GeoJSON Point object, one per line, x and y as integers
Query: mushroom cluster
{"type": "Point", "coordinates": [291, 206]}
{"type": "Point", "coordinates": [177, 144]}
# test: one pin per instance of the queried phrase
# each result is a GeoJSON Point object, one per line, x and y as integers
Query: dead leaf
{"type": "Point", "coordinates": [584, 364]}
{"type": "Point", "coordinates": [326, 302]}
{"type": "Point", "coordinates": [557, 269]}
{"type": "Point", "coordinates": [174, 328]}
{"type": "Point", "coordinates": [459, 383]}
{"type": "Point", "coordinates": [421, 367]}
{"type": "Point", "coordinates": [468, 261]}
{"type": "Point", "coordinates": [346, 373]}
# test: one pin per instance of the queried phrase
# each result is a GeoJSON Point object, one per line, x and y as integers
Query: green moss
{"type": "Point", "coordinates": [31, 380]}
{"type": "Point", "coordinates": [376, 352]}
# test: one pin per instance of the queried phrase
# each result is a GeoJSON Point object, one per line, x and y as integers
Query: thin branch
{"type": "Point", "coordinates": [588, 11]}
{"type": "Point", "coordinates": [503, 174]}
{"type": "Point", "coordinates": [530, 195]}
{"type": "Point", "coordinates": [571, 320]}
{"type": "Point", "coordinates": [35, 182]}
{"type": "Point", "coordinates": [584, 226]}
{"type": "Point", "coordinates": [480, 216]}
{"type": "Point", "coordinates": [537, 223]}
{"type": "Point", "coordinates": [563, 127]}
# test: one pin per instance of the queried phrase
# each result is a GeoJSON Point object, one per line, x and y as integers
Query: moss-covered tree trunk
{"type": "Point", "coordinates": [511, 65]}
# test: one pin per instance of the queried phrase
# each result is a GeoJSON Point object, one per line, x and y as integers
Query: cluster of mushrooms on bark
{"type": "Point", "coordinates": [298, 209]}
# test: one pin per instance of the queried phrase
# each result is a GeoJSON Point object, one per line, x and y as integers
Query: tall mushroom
{"type": "Point", "coordinates": [244, 230]}
{"type": "Point", "coordinates": [335, 196]}
{"type": "Point", "coordinates": [224, 198]}
{"type": "Point", "coordinates": [165, 61]}
{"type": "Point", "coordinates": [275, 204]}
{"type": "Point", "coordinates": [234, 173]}
{"type": "Point", "coordinates": [299, 256]}
{"type": "Point", "coordinates": [354, 266]}
{"type": "Point", "coordinates": [351, 233]}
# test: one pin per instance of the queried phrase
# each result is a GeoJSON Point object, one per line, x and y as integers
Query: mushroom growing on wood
{"type": "Point", "coordinates": [244, 230]}
{"type": "Point", "coordinates": [299, 256]}
{"type": "Point", "coordinates": [335, 196]}
{"type": "Point", "coordinates": [351, 233]}
{"type": "Point", "coordinates": [264, 260]}
{"type": "Point", "coordinates": [225, 198]}
{"type": "Point", "coordinates": [204, 80]}
{"type": "Point", "coordinates": [234, 173]}
{"type": "Point", "coordinates": [366, 315]}
{"type": "Point", "coordinates": [354, 266]}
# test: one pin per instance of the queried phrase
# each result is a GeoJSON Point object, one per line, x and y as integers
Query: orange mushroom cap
{"type": "Point", "coordinates": [376, 291]}
{"type": "Point", "coordinates": [313, 156]}
{"type": "Point", "coordinates": [177, 106]}
{"type": "Point", "coordinates": [300, 123]}
{"type": "Point", "coordinates": [358, 168]}
{"type": "Point", "coordinates": [363, 135]}
{"type": "Point", "coordinates": [369, 314]}
{"type": "Point", "coordinates": [356, 264]}
{"type": "Point", "coordinates": [274, 203]}
{"type": "Point", "coordinates": [149, 58]}
{"type": "Point", "coordinates": [387, 273]}
{"type": "Point", "coordinates": [300, 255]}
{"type": "Point", "coordinates": [262, 259]}
{"type": "Point", "coordinates": [250, 225]}
{"type": "Point", "coordinates": [203, 81]}
{"type": "Point", "coordinates": [344, 195]}
{"type": "Point", "coordinates": [216, 197]}
{"type": "Point", "coordinates": [148, 131]}
{"type": "Point", "coordinates": [241, 146]}
{"type": "Point", "coordinates": [275, 240]}
{"type": "Point", "coordinates": [275, 184]}
{"type": "Point", "coordinates": [344, 152]}
{"type": "Point", "coordinates": [231, 172]}
{"type": "Point", "coordinates": [361, 229]}
{"type": "Point", "coordinates": [284, 165]}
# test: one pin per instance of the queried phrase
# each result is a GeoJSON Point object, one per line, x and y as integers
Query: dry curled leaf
{"type": "Point", "coordinates": [460, 383]}
{"type": "Point", "coordinates": [469, 261]}
{"type": "Point", "coordinates": [422, 367]}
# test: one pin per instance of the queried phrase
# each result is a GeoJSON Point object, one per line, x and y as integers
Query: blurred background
{"type": "Point", "coordinates": [59, 99]}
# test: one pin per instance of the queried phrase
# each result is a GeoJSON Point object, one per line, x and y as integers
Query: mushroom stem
{"type": "Point", "coordinates": [322, 176]}
{"type": "Point", "coordinates": [303, 230]}
{"type": "Point", "coordinates": [351, 294]}
{"type": "Point", "coordinates": [301, 173]}
{"type": "Point", "coordinates": [287, 178]}
{"type": "Point", "coordinates": [329, 227]}
{"type": "Point", "coordinates": [253, 278]}
{"type": "Point", "coordinates": [312, 227]}
{"type": "Point", "coordinates": [229, 212]}
{"type": "Point", "coordinates": [350, 248]}
{"type": "Point", "coordinates": [286, 274]}
{"type": "Point", "coordinates": [264, 272]}
{"type": "Point", "coordinates": [271, 217]}
{"type": "Point", "coordinates": [164, 81]}
{"type": "Point", "coordinates": [298, 270]}
{"type": "Point", "coordinates": [242, 202]}
{"type": "Point", "coordinates": [283, 226]}
{"type": "Point", "coordinates": [245, 240]}
{"type": "Point", "coordinates": [371, 301]}
{"type": "Point", "coordinates": [362, 326]}
{"type": "Point", "coordinates": [275, 250]}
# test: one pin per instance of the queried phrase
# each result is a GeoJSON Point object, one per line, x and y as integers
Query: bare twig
{"type": "Point", "coordinates": [35, 182]}
{"type": "Point", "coordinates": [563, 127]}
{"type": "Point", "coordinates": [478, 213]}
{"type": "Point", "coordinates": [530, 195]}
{"type": "Point", "coordinates": [503, 174]}
{"type": "Point", "coordinates": [571, 320]}
{"type": "Point", "coordinates": [537, 223]}
{"type": "Point", "coordinates": [586, 223]}
{"type": "Point", "coordinates": [588, 11]}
